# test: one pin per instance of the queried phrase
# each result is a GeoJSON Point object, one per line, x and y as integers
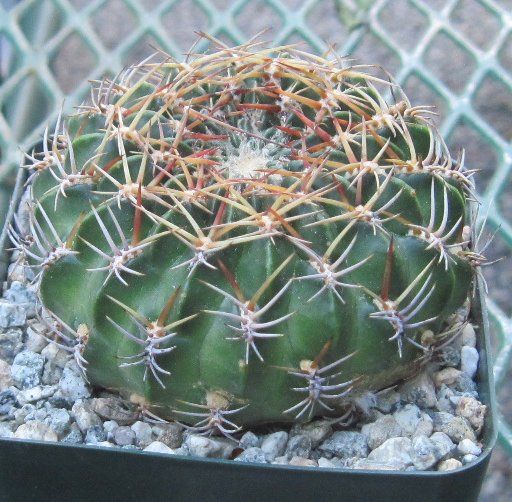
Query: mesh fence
{"type": "Point", "coordinates": [456, 54]}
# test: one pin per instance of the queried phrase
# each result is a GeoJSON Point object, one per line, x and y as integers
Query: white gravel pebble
{"type": "Point", "coordinates": [467, 459]}
{"type": "Point", "coordinates": [200, 446]}
{"type": "Point", "coordinates": [457, 428]}
{"type": "Point", "coordinates": [466, 446]}
{"type": "Point", "coordinates": [424, 453]}
{"type": "Point", "coordinates": [159, 447]}
{"type": "Point", "coordinates": [469, 336]}
{"type": "Point", "coordinates": [274, 445]}
{"type": "Point", "coordinates": [84, 417]}
{"type": "Point", "coordinates": [381, 430]}
{"type": "Point", "coordinates": [317, 431]}
{"type": "Point", "coordinates": [34, 341]}
{"type": "Point", "coordinates": [413, 421]}
{"type": "Point", "coordinates": [469, 358]}
{"type": "Point", "coordinates": [445, 446]}
{"type": "Point", "coordinates": [27, 369]}
{"type": "Point", "coordinates": [249, 440]}
{"type": "Point", "coordinates": [253, 455]}
{"type": "Point", "coordinates": [420, 391]}
{"type": "Point", "coordinates": [449, 465]}
{"type": "Point", "coordinates": [35, 430]}
{"type": "Point", "coordinates": [5, 430]}
{"type": "Point", "coordinates": [394, 451]}
{"type": "Point", "coordinates": [325, 462]}
{"type": "Point", "coordinates": [143, 433]}
{"type": "Point", "coordinates": [473, 410]}
{"type": "Point", "coordinates": [345, 444]}
{"type": "Point", "coordinates": [12, 314]}
{"type": "Point", "coordinates": [446, 376]}
{"type": "Point", "coordinates": [72, 385]}
{"type": "Point", "coordinates": [5, 375]}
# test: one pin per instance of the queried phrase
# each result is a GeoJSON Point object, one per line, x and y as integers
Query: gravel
{"type": "Point", "coordinates": [431, 422]}
{"type": "Point", "coordinates": [274, 445]}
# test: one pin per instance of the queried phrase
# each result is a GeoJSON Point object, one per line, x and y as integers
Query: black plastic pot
{"type": "Point", "coordinates": [34, 470]}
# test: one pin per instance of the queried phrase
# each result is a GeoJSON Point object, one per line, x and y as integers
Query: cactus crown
{"type": "Point", "coordinates": [253, 235]}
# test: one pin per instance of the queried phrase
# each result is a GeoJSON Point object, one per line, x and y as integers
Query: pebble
{"type": "Point", "coordinates": [200, 446]}
{"type": "Point", "coordinates": [27, 369]}
{"type": "Point", "coordinates": [35, 430]}
{"type": "Point", "coordinates": [282, 460]}
{"type": "Point", "coordinates": [109, 427]}
{"type": "Point", "coordinates": [469, 336]}
{"type": "Point", "coordinates": [424, 453]}
{"type": "Point", "coordinates": [445, 446]}
{"type": "Point", "coordinates": [84, 416]}
{"type": "Point", "coordinates": [12, 315]}
{"type": "Point", "coordinates": [11, 344]}
{"type": "Point", "coordinates": [95, 434]}
{"type": "Point", "coordinates": [115, 408]}
{"type": "Point", "coordinates": [74, 436]}
{"type": "Point", "coordinates": [21, 414]}
{"type": "Point", "coordinates": [456, 428]}
{"type": "Point", "coordinates": [143, 433]}
{"type": "Point", "coordinates": [37, 393]}
{"type": "Point", "coordinates": [444, 399]}
{"type": "Point", "coordinates": [465, 385]}
{"type": "Point", "coordinates": [274, 445]}
{"type": "Point", "coordinates": [317, 431]}
{"type": "Point", "coordinates": [6, 430]}
{"type": "Point", "coordinates": [345, 444]}
{"type": "Point", "coordinates": [466, 446]}
{"type": "Point", "coordinates": [51, 373]}
{"type": "Point", "coordinates": [449, 465]}
{"type": "Point", "coordinates": [8, 402]}
{"type": "Point", "coordinates": [394, 451]}
{"type": "Point", "coordinates": [17, 272]}
{"type": "Point", "coordinates": [249, 440]}
{"type": "Point", "coordinates": [124, 435]}
{"type": "Point", "coordinates": [467, 459]}
{"type": "Point", "coordinates": [170, 434]}
{"type": "Point", "coordinates": [5, 375]}
{"type": "Point", "coordinates": [159, 447]}
{"type": "Point", "coordinates": [325, 462]}
{"type": "Point", "coordinates": [20, 295]}
{"type": "Point", "coordinates": [34, 341]}
{"type": "Point", "coordinates": [57, 356]}
{"type": "Point", "coordinates": [254, 455]}
{"type": "Point", "coordinates": [413, 421]}
{"type": "Point", "coordinates": [381, 430]}
{"type": "Point", "coordinates": [303, 462]}
{"type": "Point", "coordinates": [446, 376]}
{"type": "Point", "coordinates": [469, 361]}
{"type": "Point", "coordinates": [299, 446]}
{"type": "Point", "coordinates": [387, 401]}
{"type": "Point", "coordinates": [59, 420]}
{"type": "Point", "coordinates": [449, 356]}
{"type": "Point", "coordinates": [420, 391]}
{"type": "Point", "coordinates": [472, 410]}
{"type": "Point", "coordinates": [105, 444]}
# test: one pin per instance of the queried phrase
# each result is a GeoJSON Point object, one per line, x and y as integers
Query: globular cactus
{"type": "Point", "coordinates": [250, 236]}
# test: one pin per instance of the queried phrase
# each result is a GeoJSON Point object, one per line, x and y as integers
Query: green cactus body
{"type": "Point", "coordinates": [248, 237]}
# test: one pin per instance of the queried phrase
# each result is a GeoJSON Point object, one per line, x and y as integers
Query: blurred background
{"type": "Point", "coordinates": [455, 54]}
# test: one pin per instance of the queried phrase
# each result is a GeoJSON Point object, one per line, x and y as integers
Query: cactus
{"type": "Point", "coordinates": [250, 236]}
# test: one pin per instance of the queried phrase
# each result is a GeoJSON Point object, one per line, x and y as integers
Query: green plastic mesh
{"type": "Point", "coordinates": [49, 48]}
